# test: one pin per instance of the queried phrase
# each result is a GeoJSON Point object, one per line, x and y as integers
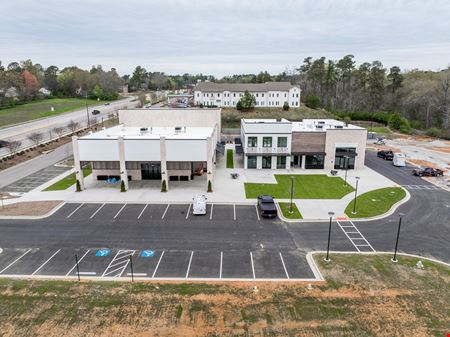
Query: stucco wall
{"type": "Point", "coordinates": [345, 137]}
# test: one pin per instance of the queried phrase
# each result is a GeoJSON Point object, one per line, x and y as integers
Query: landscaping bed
{"type": "Point", "coordinates": [29, 208]}
{"type": "Point", "coordinates": [285, 207]}
{"type": "Point", "coordinates": [68, 180]}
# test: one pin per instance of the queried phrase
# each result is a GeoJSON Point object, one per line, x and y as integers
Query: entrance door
{"type": "Point", "coordinates": [151, 171]}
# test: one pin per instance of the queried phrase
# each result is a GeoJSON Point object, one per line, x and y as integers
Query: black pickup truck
{"type": "Point", "coordinates": [267, 207]}
{"type": "Point", "coordinates": [386, 155]}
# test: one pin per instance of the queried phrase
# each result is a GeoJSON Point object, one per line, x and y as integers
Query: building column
{"type": "Point", "coordinates": [303, 161]}
{"type": "Point", "coordinates": [209, 162]}
{"type": "Point", "coordinates": [123, 168]}
{"type": "Point", "coordinates": [163, 156]}
{"type": "Point", "coordinates": [76, 158]}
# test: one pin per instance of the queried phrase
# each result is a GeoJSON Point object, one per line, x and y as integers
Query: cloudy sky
{"type": "Point", "coordinates": [223, 37]}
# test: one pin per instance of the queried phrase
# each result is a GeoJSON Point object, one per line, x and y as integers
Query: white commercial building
{"type": "Point", "coordinates": [310, 144]}
{"type": "Point", "coordinates": [152, 144]}
{"type": "Point", "coordinates": [269, 94]}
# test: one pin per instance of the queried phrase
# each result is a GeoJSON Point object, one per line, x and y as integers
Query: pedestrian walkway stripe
{"type": "Point", "coordinates": [118, 264]}
{"type": "Point", "coordinates": [355, 231]}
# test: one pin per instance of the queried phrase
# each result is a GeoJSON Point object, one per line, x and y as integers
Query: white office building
{"type": "Point", "coordinates": [269, 94]}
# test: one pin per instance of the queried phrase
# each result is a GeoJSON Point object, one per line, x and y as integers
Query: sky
{"type": "Point", "coordinates": [224, 37]}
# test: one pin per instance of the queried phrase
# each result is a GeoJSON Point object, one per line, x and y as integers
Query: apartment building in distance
{"type": "Point", "coordinates": [269, 94]}
{"type": "Point", "coordinates": [310, 144]}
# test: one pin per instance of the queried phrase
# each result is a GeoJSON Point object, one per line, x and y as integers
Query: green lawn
{"type": "Point", "coordinates": [68, 181]}
{"type": "Point", "coordinates": [375, 202]}
{"type": "Point", "coordinates": [380, 129]}
{"type": "Point", "coordinates": [306, 186]}
{"type": "Point", "coordinates": [285, 207]}
{"type": "Point", "coordinates": [40, 109]}
{"type": "Point", "coordinates": [230, 163]}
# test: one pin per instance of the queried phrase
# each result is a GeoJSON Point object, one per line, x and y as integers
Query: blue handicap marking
{"type": "Point", "coordinates": [102, 252]}
{"type": "Point", "coordinates": [147, 253]}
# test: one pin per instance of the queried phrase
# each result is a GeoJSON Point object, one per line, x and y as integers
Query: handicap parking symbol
{"type": "Point", "coordinates": [147, 253]}
{"type": "Point", "coordinates": [102, 252]}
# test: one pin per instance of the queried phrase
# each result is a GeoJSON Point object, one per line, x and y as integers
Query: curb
{"type": "Point", "coordinates": [32, 217]}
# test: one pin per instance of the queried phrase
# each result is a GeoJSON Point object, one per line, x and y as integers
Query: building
{"type": "Point", "coordinates": [269, 94]}
{"type": "Point", "coordinates": [310, 144]}
{"type": "Point", "coordinates": [152, 144]}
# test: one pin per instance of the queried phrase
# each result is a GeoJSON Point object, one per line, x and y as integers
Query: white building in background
{"type": "Point", "coordinates": [152, 144]}
{"type": "Point", "coordinates": [269, 94]}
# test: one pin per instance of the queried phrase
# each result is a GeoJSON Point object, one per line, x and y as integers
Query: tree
{"type": "Point", "coordinates": [139, 78]}
{"type": "Point", "coordinates": [78, 186]}
{"type": "Point", "coordinates": [248, 101]}
{"type": "Point", "coordinates": [59, 130]}
{"type": "Point", "coordinates": [312, 101]}
{"type": "Point", "coordinates": [376, 84]}
{"type": "Point", "coordinates": [51, 79]}
{"type": "Point", "coordinates": [286, 106]}
{"type": "Point", "coordinates": [395, 78]}
{"type": "Point", "coordinates": [164, 186]}
{"type": "Point", "coordinates": [122, 186]}
{"type": "Point", "coordinates": [31, 83]}
{"type": "Point", "coordinates": [209, 186]}
{"type": "Point", "coordinates": [73, 126]}
{"type": "Point", "coordinates": [13, 146]}
{"type": "Point", "coordinates": [35, 138]}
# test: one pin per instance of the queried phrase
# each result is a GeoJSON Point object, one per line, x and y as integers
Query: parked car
{"type": "Point", "coordinates": [95, 112]}
{"type": "Point", "coordinates": [428, 172]}
{"type": "Point", "coordinates": [199, 205]}
{"type": "Point", "coordinates": [266, 206]}
{"type": "Point", "coordinates": [385, 154]}
{"type": "Point", "coordinates": [106, 103]}
{"type": "Point", "coordinates": [3, 143]}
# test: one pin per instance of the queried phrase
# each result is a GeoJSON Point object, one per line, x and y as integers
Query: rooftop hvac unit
{"type": "Point", "coordinates": [338, 126]}
{"type": "Point", "coordinates": [143, 129]}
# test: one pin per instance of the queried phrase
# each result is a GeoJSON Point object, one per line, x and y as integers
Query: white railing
{"type": "Point", "coordinates": [274, 150]}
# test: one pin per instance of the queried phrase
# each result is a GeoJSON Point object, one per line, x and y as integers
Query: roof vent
{"type": "Point", "coordinates": [143, 130]}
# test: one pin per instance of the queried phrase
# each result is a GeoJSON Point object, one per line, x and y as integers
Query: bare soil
{"type": "Point", "coordinates": [29, 208]}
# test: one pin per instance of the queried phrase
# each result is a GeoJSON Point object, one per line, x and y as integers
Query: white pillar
{"type": "Point", "coordinates": [123, 168]}
{"type": "Point", "coordinates": [209, 162]}
{"type": "Point", "coordinates": [303, 161]}
{"type": "Point", "coordinates": [76, 158]}
{"type": "Point", "coordinates": [163, 156]}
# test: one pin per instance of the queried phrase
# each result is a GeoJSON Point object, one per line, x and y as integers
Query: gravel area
{"type": "Point", "coordinates": [30, 208]}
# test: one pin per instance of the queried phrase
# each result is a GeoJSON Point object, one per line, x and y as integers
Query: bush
{"type": "Point", "coordinates": [239, 105]}
{"type": "Point", "coordinates": [415, 124]}
{"type": "Point", "coordinates": [122, 186]}
{"type": "Point", "coordinates": [379, 117]}
{"type": "Point", "coordinates": [312, 101]}
{"type": "Point", "coordinates": [209, 186]}
{"type": "Point", "coordinates": [397, 122]}
{"type": "Point", "coordinates": [434, 132]}
{"type": "Point", "coordinates": [286, 106]}
{"type": "Point", "coordinates": [200, 105]}
{"type": "Point", "coordinates": [78, 186]}
{"type": "Point", "coordinates": [164, 186]}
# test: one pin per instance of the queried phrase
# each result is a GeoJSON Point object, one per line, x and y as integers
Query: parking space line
{"type": "Point", "coordinates": [76, 209]}
{"type": "Point", "coordinates": [189, 265]}
{"type": "Point", "coordinates": [88, 273]}
{"type": "Point", "coordinates": [78, 263]}
{"type": "Point", "coordinates": [188, 211]}
{"type": "Point", "coordinates": [257, 213]}
{"type": "Point", "coordinates": [253, 266]}
{"type": "Point", "coordinates": [120, 210]}
{"type": "Point", "coordinates": [210, 216]}
{"type": "Point", "coordinates": [284, 266]}
{"type": "Point", "coordinates": [9, 265]}
{"type": "Point", "coordinates": [234, 211]}
{"type": "Point", "coordinates": [42, 265]}
{"type": "Point", "coordinates": [221, 259]}
{"type": "Point", "coordinates": [157, 265]}
{"type": "Point", "coordinates": [142, 212]}
{"type": "Point", "coordinates": [93, 214]}
{"type": "Point", "coordinates": [164, 214]}
{"type": "Point", "coordinates": [121, 258]}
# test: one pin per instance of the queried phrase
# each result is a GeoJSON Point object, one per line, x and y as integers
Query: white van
{"type": "Point", "coordinates": [399, 159]}
{"type": "Point", "coordinates": [199, 205]}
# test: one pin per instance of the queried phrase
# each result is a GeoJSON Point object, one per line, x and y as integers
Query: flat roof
{"type": "Point", "coordinates": [264, 120]}
{"type": "Point", "coordinates": [181, 132]}
{"type": "Point", "coordinates": [321, 125]}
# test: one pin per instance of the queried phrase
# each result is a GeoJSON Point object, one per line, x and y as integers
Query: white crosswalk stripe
{"type": "Point", "coordinates": [421, 187]}
{"type": "Point", "coordinates": [354, 235]}
{"type": "Point", "coordinates": [118, 264]}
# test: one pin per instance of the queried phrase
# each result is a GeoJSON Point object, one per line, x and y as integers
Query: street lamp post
{"type": "Point", "coordinates": [292, 194]}
{"type": "Point", "coordinates": [400, 215]}
{"type": "Point", "coordinates": [356, 194]}
{"type": "Point", "coordinates": [87, 111]}
{"type": "Point", "coordinates": [329, 236]}
{"type": "Point", "coordinates": [346, 158]}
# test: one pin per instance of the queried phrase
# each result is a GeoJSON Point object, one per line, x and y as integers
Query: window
{"type": "Point", "coordinates": [277, 94]}
{"type": "Point", "coordinates": [252, 141]}
{"type": "Point", "coordinates": [256, 95]}
{"type": "Point", "coordinates": [344, 158]}
{"type": "Point", "coordinates": [282, 142]}
{"type": "Point", "coordinates": [267, 141]}
{"type": "Point", "coordinates": [218, 95]}
{"type": "Point", "coordinates": [198, 95]}
{"type": "Point", "coordinates": [262, 95]}
{"type": "Point", "coordinates": [297, 95]}
{"type": "Point", "coordinates": [266, 162]}
{"type": "Point", "coordinates": [285, 95]}
{"type": "Point", "coordinates": [234, 95]}
{"type": "Point", "coordinates": [281, 162]}
{"type": "Point", "coordinates": [314, 161]}
{"type": "Point", "coordinates": [251, 162]}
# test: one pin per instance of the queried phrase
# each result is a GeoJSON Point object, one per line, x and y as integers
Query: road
{"type": "Point", "coordinates": [45, 125]}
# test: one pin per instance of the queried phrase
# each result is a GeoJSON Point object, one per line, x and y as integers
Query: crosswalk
{"type": "Point", "coordinates": [118, 264]}
{"type": "Point", "coordinates": [421, 187]}
{"type": "Point", "coordinates": [354, 235]}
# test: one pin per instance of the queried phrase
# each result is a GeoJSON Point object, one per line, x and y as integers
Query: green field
{"type": "Point", "coordinates": [68, 181]}
{"type": "Point", "coordinates": [306, 186]}
{"type": "Point", "coordinates": [230, 163]}
{"type": "Point", "coordinates": [34, 110]}
{"type": "Point", "coordinates": [375, 202]}
{"type": "Point", "coordinates": [285, 208]}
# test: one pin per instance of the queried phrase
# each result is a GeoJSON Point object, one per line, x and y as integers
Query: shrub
{"type": "Point", "coordinates": [415, 124]}
{"type": "Point", "coordinates": [248, 101]}
{"type": "Point", "coordinates": [347, 120]}
{"type": "Point", "coordinates": [286, 106]}
{"type": "Point", "coordinates": [395, 122]}
{"type": "Point", "coordinates": [209, 186]}
{"type": "Point", "coordinates": [200, 105]}
{"type": "Point", "coordinates": [122, 186]}
{"type": "Point", "coordinates": [239, 105]}
{"type": "Point", "coordinates": [434, 132]}
{"type": "Point", "coordinates": [164, 186]}
{"type": "Point", "coordinates": [78, 187]}
{"type": "Point", "coordinates": [312, 101]}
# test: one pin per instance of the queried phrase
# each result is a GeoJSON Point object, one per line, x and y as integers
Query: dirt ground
{"type": "Point", "coordinates": [29, 208]}
{"type": "Point", "coordinates": [363, 296]}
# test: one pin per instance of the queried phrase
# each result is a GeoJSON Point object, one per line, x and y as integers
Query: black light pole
{"type": "Point", "coordinates": [346, 169]}
{"type": "Point", "coordinates": [394, 259]}
{"type": "Point", "coordinates": [131, 266]}
{"type": "Point", "coordinates": [292, 193]}
{"type": "Point", "coordinates": [87, 111]}
{"type": "Point", "coordinates": [329, 236]}
{"type": "Point", "coordinates": [78, 269]}
{"type": "Point", "coordinates": [356, 194]}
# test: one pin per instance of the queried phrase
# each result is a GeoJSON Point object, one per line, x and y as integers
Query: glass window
{"type": "Point", "coordinates": [266, 162]}
{"type": "Point", "coordinates": [252, 141]}
{"type": "Point", "coordinates": [262, 95]}
{"type": "Point", "coordinates": [281, 162]}
{"type": "Point", "coordinates": [314, 161]}
{"type": "Point", "coordinates": [267, 141]}
{"type": "Point", "coordinates": [282, 142]}
{"type": "Point", "coordinates": [251, 162]}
